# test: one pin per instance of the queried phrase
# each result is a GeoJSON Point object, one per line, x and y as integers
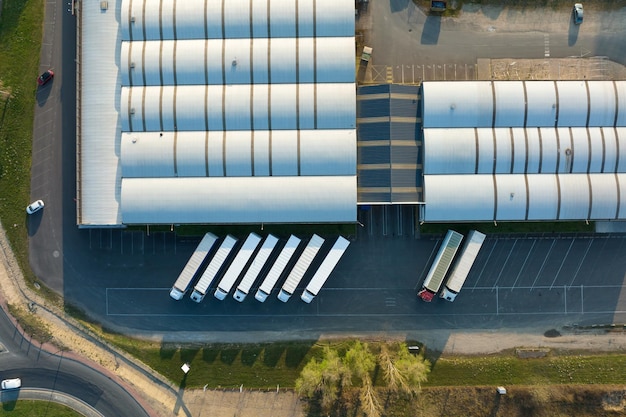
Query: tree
{"type": "Point", "coordinates": [322, 377]}
{"type": "Point", "coordinates": [402, 370]}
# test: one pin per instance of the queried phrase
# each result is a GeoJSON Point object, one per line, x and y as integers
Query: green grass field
{"type": "Point", "coordinates": [27, 408]}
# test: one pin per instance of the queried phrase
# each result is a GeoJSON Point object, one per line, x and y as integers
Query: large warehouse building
{"type": "Point", "coordinates": [246, 111]}
{"type": "Point", "coordinates": [524, 150]}
{"type": "Point", "coordinates": [217, 111]}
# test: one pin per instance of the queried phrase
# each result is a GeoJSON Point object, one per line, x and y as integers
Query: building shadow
{"type": "Point", "coordinates": [432, 27]}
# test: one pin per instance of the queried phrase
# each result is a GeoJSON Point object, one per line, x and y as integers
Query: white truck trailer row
{"type": "Point", "coordinates": [300, 268]}
{"type": "Point", "coordinates": [325, 269]}
{"type": "Point", "coordinates": [460, 271]}
{"type": "Point", "coordinates": [277, 269]}
{"type": "Point", "coordinates": [185, 278]}
{"type": "Point", "coordinates": [238, 264]}
{"type": "Point", "coordinates": [213, 269]}
{"type": "Point", "coordinates": [255, 268]}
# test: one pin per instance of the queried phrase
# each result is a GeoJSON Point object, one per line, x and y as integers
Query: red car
{"type": "Point", "coordinates": [45, 77]}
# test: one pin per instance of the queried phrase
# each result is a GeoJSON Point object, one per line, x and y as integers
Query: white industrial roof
{"type": "Point", "coordinates": [524, 103]}
{"type": "Point", "coordinates": [239, 200]}
{"type": "Point", "coordinates": [239, 107]}
{"type": "Point", "coordinates": [217, 19]}
{"type": "Point", "coordinates": [237, 61]}
{"type": "Point", "coordinates": [518, 197]}
{"type": "Point", "coordinates": [217, 93]}
{"type": "Point", "coordinates": [518, 150]}
{"type": "Point", "coordinates": [238, 153]}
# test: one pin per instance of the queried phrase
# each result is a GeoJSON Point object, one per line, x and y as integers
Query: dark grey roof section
{"type": "Point", "coordinates": [389, 140]}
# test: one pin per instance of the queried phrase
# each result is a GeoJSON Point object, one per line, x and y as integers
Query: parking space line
{"type": "Point", "coordinates": [562, 262]}
{"type": "Point", "coordinates": [524, 264]}
{"type": "Point", "coordinates": [504, 264]}
{"type": "Point", "coordinates": [485, 263]}
{"type": "Point", "coordinates": [544, 263]}
{"type": "Point", "coordinates": [580, 264]}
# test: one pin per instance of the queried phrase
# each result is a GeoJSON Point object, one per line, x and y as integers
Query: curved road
{"type": "Point", "coordinates": [39, 369]}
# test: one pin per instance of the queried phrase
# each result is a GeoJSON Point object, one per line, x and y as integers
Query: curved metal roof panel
{"type": "Point", "coordinates": [603, 196]}
{"type": "Point", "coordinates": [549, 150]}
{"type": "Point", "coordinates": [601, 103]}
{"type": "Point", "coordinates": [511, 197]}
{"type": "Point", "coordinates": [331, 152]}
{"type": "Point", "coordinates": [620, 87]}
{"type": "Point", "coordinates": [573, 105]}
{"type": "Point", "coordinates": [621, 183]}
{"type": "Point", "coordinates": [541, 103]}
{"type": "Point", "coordinates": [238, 200]}
{"type": "Point", "coordinates": [542, 203]}
{"type": "Point", "coordinates": [620, 136]}
{"type": "Point", "coordinates": [285, 147]}
{"type": "Point", "coordinates": [449, 151]}
{"type": "Point", "coordinates": [215, 19]}
{"type": "Point", "coordinates": [581, 151]}
{"type": "Point", "coordinates": [533, 150]}
{"type": "Point", "coordinates": [486, 151]}
{"type": "Point", "coordinates": [458, 198]}
{"type": "Point", "coordinates": [574, 196]}
{"type": "Point", "coordinates": [147, 155]}
{"type": "Point", "coordinates": [187, 107]}
{"type": "Point", "coordinates": [504, 150]}
{"type": "Point", "coordinates": [457, 104]}
{"type": "Point", "coordinates": [510, 103]}
{"type": "Point", "coordinates": [610, 145]}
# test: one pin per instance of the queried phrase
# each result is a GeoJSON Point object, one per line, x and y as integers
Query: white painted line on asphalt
{"type": "Point", "coordinates": [544, 262]}
{"type": "Point", "coordinates": [505, 262]}
{"type": "Point", "coordinates": [562, 263]}
{"type": "Point", "coordinates": [580, 264]}
{"type": "Point", "coordinates": [480, 274]}
{"type": "Point", "coordinates": [524, 264]}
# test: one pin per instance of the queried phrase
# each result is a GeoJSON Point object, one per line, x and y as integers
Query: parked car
{"type": "Point", "coordinates": [34, 207]}
{"type": "Point", "coordinates": [45, 77]}
{"type": "Point", "coordinates": [578, 13]}
{"type": "Point", "coordinates": [14, 383]}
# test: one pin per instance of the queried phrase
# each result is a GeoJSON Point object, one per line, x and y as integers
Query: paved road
{"type": "Point", "coordinates": [56, 372]}
{"type": "Point", "coordinates": [403, 34]}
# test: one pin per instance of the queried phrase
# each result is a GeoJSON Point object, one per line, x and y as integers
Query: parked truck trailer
{"type": "Point", "coordinates": [440, 265]}
{"type": "Point", "coordinates": [460, 271]}
{"type": "Point", "coordinates": [259, 261]}
{"type": "Point", "coordinates": [325, 269]}
{"type": "Point", "coordinates": [238, 264]}
{"type": "Point", "coordinates": [212, 270]}
{"type": "Point", "coordinates": [277, 269]}
{"type": "Point", "coordinates": [190, 270]}
{"type": "Point", "coordinates": [300, 268]}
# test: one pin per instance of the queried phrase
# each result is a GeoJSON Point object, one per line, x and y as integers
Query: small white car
{"type": "Point", "coordinates": [34, 207]}
{"type": "Point", "coordinates": [578, 13]}
{"type": "Point", "coordinates": [14, 383]}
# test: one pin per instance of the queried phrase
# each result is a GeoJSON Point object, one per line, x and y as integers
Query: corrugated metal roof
{"type": "Point", "coordinates": [601, 103]}
{"type": "Point", "coordinates": [509, 104]}
{"type": "Point", "coordinates": [214, 19]}
{"type": "Point", "coordinates": [518, 197]}
{"type": "Point", "coordinates": [542, 102]}
{"type": "Point", "coordinates": [457, 104]}
{"type": "Point", "coordinates": [237, 61]}
{"type": "Point", "coordinates": [238, 88]}
{"type": "Point", "coordinates": [239, 200]}
{"type": "Point", "coordinates": [238, 107]}
{"type": "Point", "coordinates": [389, 145]}
{"type": "Point", "coordinates": [572, 103]}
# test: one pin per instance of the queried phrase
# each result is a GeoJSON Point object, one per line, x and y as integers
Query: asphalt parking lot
{"type": "Point", "coordinates": [517, 280]}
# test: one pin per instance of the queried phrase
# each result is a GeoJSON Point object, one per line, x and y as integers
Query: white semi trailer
{"type": "Point", "coordinates": [235, 268]}
{"type": "Point", "coordinates": [185, 278]}
{"type": "Point", "coordinates": [325, 269]}
{"type": "Point", "coordinates": [300, 268]}
{"type": "Point", "coordinates": [277, 269]}
{"type": "Point", "coordinates": [211, 271]}
{"type": "Point", "coordinates": [440, 266]}
{"type": "Point", "coordinates": [255, 268]}
{"type": "Point", "coordinates": [474, 241]}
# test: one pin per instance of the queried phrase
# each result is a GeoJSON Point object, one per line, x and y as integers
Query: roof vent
{"type": "Point", "coordinates": [132, 64]}
{"type": "Point", "coordinates": [235, 62]}
{"type": "Point", "coordinates": [132, 110]}
{"type": "Point", "coordinates": [132, 19]}
{"type": "Point", "coordinates": [104, 5]}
